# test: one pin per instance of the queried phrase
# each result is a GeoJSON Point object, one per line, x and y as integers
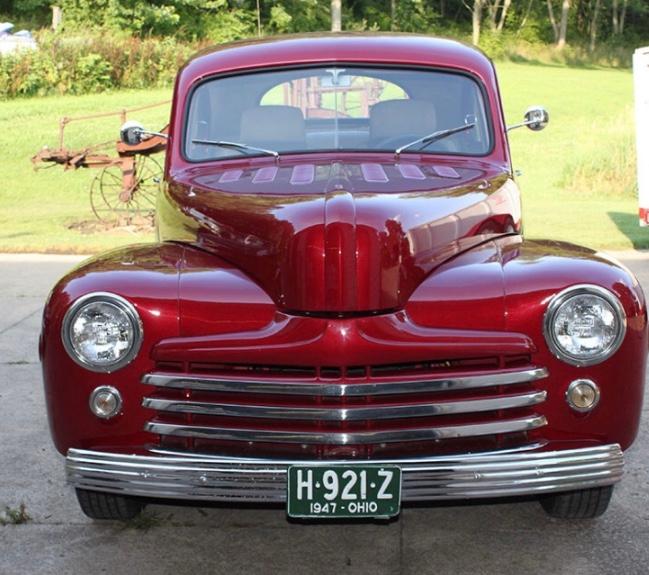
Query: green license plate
{"type": "Point", "coordinates": [344, 491]}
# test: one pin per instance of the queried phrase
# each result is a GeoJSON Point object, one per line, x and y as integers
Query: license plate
{"type": "Point", "coordinates": [344, 491]}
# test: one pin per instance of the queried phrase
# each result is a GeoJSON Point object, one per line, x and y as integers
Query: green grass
{"type": "Point", "coordinates": [570, 190]}
{"type": "Point", "coordinates": [577, 182]}
{"type": "Point", "coordinates": [38, 206]}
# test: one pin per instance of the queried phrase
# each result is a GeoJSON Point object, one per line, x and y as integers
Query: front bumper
{"type": "Point", "coordinates": [215, 478]}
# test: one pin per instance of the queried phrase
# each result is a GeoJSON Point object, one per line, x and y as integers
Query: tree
{"type": "Point", "coordinates": [503, 15]}
{"type": "Point", "coordinates": [560, 30]}
{"type": "Point", "coordinates": [619, 17]}
{"type": "Point", "coordinates": [563, 27]}
{"type": "Point", "coordinates": [553, 21]}
{"type": "Point", "coordinates": [476, 21]}
{"type": "Point", "coordinates": [496, 16]}
{"type": "Point", "coordinates": [497, 13]}
{"type": "Point", "coordinates": [336, 15]}
{"type": "Point", "coordinates": [526, 16]}
{"type": "Point", "coordinates": [593, 26]}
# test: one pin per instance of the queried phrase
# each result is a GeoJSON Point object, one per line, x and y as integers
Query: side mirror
{"type": "Point", "coordinates": [131, 133]}
{"type": "Point", "coordinates": [536, 119]}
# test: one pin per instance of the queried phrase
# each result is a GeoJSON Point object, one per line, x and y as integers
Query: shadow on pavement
{"type": "Point", "coordinates": [629, 226]}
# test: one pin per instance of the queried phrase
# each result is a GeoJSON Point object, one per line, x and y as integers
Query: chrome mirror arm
{"type": "Point", "coordinates": [150, 133]}
{"type": "Point", "coordinates": [521, 125]}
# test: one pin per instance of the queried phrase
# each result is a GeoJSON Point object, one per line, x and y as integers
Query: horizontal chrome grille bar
{"type": "Point", "coordinates": [328, 389]}
{"type": "Point", "coordinates": [348, 413]}
{"type": "Point", "coordinates": [347, 438]}
{"type": "Point", "coordinates": [495, 474]}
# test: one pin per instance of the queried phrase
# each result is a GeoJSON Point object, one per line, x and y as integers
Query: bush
{"type": "Point", "coordinates": [135, 17]}
{"type": "Point", "coordinates": [97, 61]}
{"type": "Point", "coordinates": [87, 64]}
{"type": "Point", "coordinates": [92, 74]}
{"type": "Point", "coordinates": [227, 26]}
{"type": "Point", "coordinates": [30, 74]}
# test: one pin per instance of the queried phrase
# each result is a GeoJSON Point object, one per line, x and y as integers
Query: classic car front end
{"type": "Point", "coordinates": [341, 313]}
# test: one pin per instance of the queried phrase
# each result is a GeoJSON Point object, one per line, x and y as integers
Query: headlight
{"type": "Point", "coordinates": [102, 332]}
{"type": "Point", "coordinates": [584, 325]}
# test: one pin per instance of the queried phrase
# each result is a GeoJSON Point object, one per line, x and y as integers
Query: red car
{"type": "Point", "coordinates": [341, 313]}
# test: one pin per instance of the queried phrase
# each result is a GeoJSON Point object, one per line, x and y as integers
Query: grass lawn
{"type": "Point", "coordinates": [591, 133]}
{"type": "Point", "coordinates": [577, 175]}
{"type": "Point", "coordinates": [38, 206]}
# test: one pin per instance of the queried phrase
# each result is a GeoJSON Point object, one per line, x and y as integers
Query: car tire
{"type": "Point", "coordinates": [582, 504]}
{"type": "Point", "coordinates": [97, 505]}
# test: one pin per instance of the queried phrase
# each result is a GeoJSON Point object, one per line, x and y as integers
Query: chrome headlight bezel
{"type": "Point", "coordinates": [561, 298]}
{"type": "Point", "coordinates": [125, 307]}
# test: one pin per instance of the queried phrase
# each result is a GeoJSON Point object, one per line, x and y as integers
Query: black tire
{"type": "Point", "coordinates": [97, 505]}
{"type": "Point", "coordinates": [582, 504]}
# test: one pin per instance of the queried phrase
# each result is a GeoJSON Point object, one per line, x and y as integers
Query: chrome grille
{"type": "Point", "coordinates": [347, 438]}
{"type": "Point", "coordinates": [328, 389]}
{"type": "Point", "coordinates": [346, 414]}
{"type": "Point", "coordinates": [362, 411]}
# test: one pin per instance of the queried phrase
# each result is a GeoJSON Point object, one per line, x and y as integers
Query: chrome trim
{"type": "Point", "coordinates": [553, 307]}
{"type": "Point", "coordinates": [347, 438]}
{"type": "Point", "coordinates": [345, 414]}
{"type": "Point", "coordinates": [590, 383]}
{"type": "Point", "coordinates": [122, 304]}
{"type": "Point", "coordinates": [527, 447]}
{"type": "Point", "coordinates": [101, 389]}
{"type": "Point", "coordinates": [466, 476]}
{"type": "Point", "coordinates": [326, 389]}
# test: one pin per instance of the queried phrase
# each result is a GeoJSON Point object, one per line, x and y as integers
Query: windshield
{"type": "Point", "coordinates": [336, 108]}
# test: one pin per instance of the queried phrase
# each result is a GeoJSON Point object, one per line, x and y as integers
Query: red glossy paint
{"type": "Point", "coordinates": [486, 302]}
{"type": "Point", "coordinates": [341, 243]}
{"type": "Point", "coordinates": [343, 260]}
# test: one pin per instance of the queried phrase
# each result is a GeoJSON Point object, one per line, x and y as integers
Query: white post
{"type": "Point", "coordinates": [641, 83]}
{"type": "Point", "coordinates": [57, 17]}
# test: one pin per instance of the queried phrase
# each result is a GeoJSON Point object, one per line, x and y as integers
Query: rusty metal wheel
{"type": "Point", "coordinates": [108, 199]}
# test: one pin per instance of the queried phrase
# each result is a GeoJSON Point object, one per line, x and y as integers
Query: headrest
{"type": "Point", "coordinates": [392, 118]}
{"type": "Point", "coordinates": [273, 125]}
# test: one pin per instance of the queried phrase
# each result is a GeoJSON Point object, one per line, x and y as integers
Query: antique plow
{"type": "Point", "coordinates": [127, 183]}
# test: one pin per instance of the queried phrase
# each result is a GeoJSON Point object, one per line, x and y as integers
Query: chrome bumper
{"type": "Point", "coordinates": [207, 478]}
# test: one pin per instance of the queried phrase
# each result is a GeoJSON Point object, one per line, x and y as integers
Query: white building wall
{"type": "Point", "coordinates": [641, 83]}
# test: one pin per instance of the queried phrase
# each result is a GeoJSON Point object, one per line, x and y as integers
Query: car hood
{"type": "Point", "coordinates": [335, 237]}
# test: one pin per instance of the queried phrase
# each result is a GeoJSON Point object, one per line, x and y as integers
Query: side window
{"type": "Point", "coordinates": [349, 95]}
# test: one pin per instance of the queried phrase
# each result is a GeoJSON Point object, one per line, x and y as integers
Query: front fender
{"type": "Point", "coordinates": [147, 276]}
{"type": "Point", "coordinates": [533, 272]}
{"type": "Point", "coordinates": [506, 285]}
{"type": "Point", "coordinates": [177, 291]}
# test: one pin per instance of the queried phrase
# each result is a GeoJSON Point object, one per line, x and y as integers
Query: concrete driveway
{"type": "Point", "coordinates": [502, 538]}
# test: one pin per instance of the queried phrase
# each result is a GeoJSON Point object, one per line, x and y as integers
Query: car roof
{"type": "Point", "coordinates": [351, 48]}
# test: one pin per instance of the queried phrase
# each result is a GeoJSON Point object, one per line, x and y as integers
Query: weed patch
{"type": "Point", "coordinates": [143, 522]}
{"type": "Point", "coordinates": [606, 166]}
{"type": "Point", "coordinates": [14, 516]}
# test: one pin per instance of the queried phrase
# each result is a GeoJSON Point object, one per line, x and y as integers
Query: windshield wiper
{"type": "Point", "coordinates": [434, 137]}
{"type": "Point", "coordinates": [236, 146]}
